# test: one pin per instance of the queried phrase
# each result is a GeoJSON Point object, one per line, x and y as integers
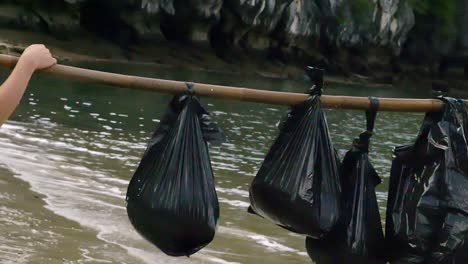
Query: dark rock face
{"type": "Point", "coordinates": [395, 20]}
{"type": "Point", "coordinates": [263, 15]}
{"type": "Point", "coordinates": [439, 36]}
{"type": "Point", "coordinates": [249, 23]}
{"type": "Point", "coordinates": [301, 19]}
{"type": "Point", "coordinates": [316, 28]}
{"type": "Point", "coordinates": [464, 37]}
{"type": "Point", "coordinates": [464, 27]}
{"type": "Point", "coordinates": [58, 18]}
{"type": "Point", "coordinates": [189, 21]}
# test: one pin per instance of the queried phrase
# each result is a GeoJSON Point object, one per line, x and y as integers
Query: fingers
{"type": "Point", "coordinates": [39, 56]}
{"type": "Point", "coordinates": [37, 46]}
{"type": "Point", "coordinates": [53, 62]}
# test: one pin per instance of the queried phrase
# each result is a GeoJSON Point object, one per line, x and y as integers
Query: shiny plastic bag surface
{"type": "Point", "coordinates": [427, 215]}
{"type": "Point", "coordinates": [171, 199]}
{"type": "Point", "coordinates": [441, 230]}
{"type": "Point", "coordinates": [361, 235]}
{"type": "Point", "coordinates": [297, 186]}
{"type": "Point", "coordinates": [411, 169]}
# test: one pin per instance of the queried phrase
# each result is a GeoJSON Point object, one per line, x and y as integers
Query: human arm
{"type": "Point", "coordinates": [35, 57]}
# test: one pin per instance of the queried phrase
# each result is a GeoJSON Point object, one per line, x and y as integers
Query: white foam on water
{"type": "Point", "coordinates": [266, 242]}
{"type": "Point", "coordinates": [94, 199]}
{"type": "Point", "coordinates": [9, 255]}
{"type": "Point", "coordinates": [216, 252]}
{"type": "Point", "coordinates": [233, 191]}
{"type": "Point", "coordinates": [114, 180]}
{"type": "Point", "coordinates": [235, 203]}
{"type": "Point", "coordinates": [75, 203]}
{"type": "Point", "coordinates": [85, 253]}
{"type": "Point", "coordinates": [218, 260]}
{"type": "Point", "coordinates": [271, 244]}
{"type": "Point", "coordinates": [224, 166]}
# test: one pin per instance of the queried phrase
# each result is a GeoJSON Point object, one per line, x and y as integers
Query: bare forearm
{"type": "Point", "coordinates": [13, 88]}
{"type": "Point", "coordinates": [34, 57]}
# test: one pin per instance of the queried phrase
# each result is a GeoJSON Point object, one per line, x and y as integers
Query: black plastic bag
{"type": "Point", "coordinates": [411, 169]}
{"type": "Point", "coordinates": [171, 199]}
{"type": "Point", "coordinates": [427, 213]}
{"type": "Point", "coordinates": [324, 250]}
{"type": "Point", "coordinates": [362, 234]}
{"type": "Point", "coordinates": [297, 186]}
{"type": "Point", "coordinates": [359, 235]}
{"type": "Point", "coordinates": [441, 230]}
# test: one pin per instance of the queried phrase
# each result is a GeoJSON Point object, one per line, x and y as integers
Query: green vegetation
{"type": "Point", "coordinates": [358, 10]}
{"type": "Point", "coordinates": [443, 12]}
{"type": "Point", "coordinates": [362, 9]}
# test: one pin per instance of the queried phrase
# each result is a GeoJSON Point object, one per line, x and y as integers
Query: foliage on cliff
{"type": "Point", "coordinates": [325, 32]}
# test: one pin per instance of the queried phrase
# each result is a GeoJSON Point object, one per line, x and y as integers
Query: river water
{"type": "Point", "coordinates": [67, 155]}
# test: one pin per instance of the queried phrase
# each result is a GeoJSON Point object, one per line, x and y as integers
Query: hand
{"type": "Point", "coordinates": [37, 57]}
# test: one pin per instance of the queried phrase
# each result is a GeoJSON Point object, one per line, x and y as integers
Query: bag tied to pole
{"type": "Point", "coordinates": [410, 172]}
{"type": "Point", "coordinates": [427, 213]}
{"type": "Point", "coordinates": [361, 234]}
{"type": "Point", "coordinates": [441, 230]}
{"type": "Point", "coordinates": [297, 186]}
{"type": "Point", "coordinates": [171, 199]}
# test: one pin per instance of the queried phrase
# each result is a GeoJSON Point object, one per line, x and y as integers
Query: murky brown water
{"type": "Point", "coordinates": [70, 150]}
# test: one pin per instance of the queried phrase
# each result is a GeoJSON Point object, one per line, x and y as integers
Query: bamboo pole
{"type": "Point", "coordinates": [226, 92]}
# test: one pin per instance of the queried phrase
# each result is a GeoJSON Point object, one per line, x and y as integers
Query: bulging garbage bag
{"type": "Point", "coordinates": [442, 213]}
{"type": "Point", "coordinates": [362, 238]}
{"type": "Point", "coordinates": [358, 237]}
{"type": "Point", "coordinates": [324, 250]}
{"type": "Point", "coordinates": [427, 213]}
{"type": "Point", "coordinates": [297, 186]}
{"type": "Point", "coordinates": [411, 169]}
{"type": "Point", "coordinates": [171, 199]}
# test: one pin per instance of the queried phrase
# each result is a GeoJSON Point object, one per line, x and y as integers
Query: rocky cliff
{"type": "Point", "coordinates": [342, 35]}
